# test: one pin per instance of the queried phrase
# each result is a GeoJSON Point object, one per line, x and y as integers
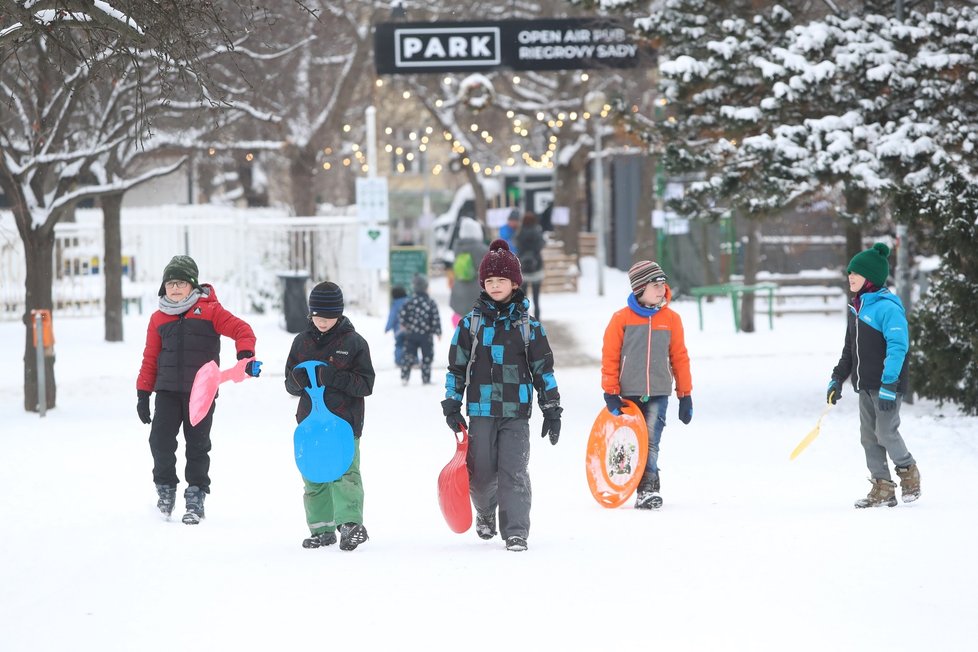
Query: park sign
{"type": "Point", "coordinates": [480, 46]}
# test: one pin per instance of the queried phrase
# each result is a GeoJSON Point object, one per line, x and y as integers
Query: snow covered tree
{"type": "Point", "coordinates": [79, 81]}
{"type": "Point", "coordinates": [944, 324]}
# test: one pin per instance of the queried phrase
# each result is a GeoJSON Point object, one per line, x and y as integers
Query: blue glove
{"type": "Point", "coordinates": [686, 409]}
{"type": "Point", "coordinates": [834, 391]}
{"type": "Point", "coordinates": [613, 401]}
{"type": "Point", "coordinates": [888, 396]}
{"type": "Point", "coordinates": [253, 368]}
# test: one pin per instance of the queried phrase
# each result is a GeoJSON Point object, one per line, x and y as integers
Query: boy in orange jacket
{"type": "Point", "coordinates": [644, 351]}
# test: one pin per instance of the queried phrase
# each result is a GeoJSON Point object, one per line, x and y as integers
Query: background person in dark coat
{"type": "Point", "coordinates": [529, 245]}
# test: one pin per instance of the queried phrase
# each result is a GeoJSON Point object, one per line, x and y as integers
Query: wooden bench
{"type": "Point", "coordinates": [560, 270]}
{"type": "Point", "coordinates": [736, 292]}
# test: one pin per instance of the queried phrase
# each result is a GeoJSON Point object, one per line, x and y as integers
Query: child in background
{"type": "Point", "coordinates": [875, 357]}
{"type": "Point", "coordinates": [420, 320]}
{"type": "Point", "coordinates": [494, 370]}
{"type": "Point", "coordinates": [183, 335]}
{"type": "Point", "coordinates": [348, 377]}
{"type": "Point", "coordinates": [398, 298]}
{"type": "Point", "coordinates": [644, 351]}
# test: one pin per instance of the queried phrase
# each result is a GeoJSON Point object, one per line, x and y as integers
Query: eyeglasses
{"type": "Point", "coordinates": [180, 285]}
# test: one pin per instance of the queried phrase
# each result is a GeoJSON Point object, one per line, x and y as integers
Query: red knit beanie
{"type": "Point", "coordinates": [500, 262]}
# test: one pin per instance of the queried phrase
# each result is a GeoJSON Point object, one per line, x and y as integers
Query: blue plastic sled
{"type": "Point", "coordinates": [323, 441]}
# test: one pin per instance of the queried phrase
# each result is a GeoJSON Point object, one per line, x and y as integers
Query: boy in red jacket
{"type": "Point", "coordinates": [183, 335]}
{"type": "Point", "coordinates": [644, 352]}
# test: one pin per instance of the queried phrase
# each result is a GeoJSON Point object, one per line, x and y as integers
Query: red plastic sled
{"type": "Point", "coordinates": [206, 382]}
{"type": "Point", "coordinates": [453, 488]}
{"type": "Point", "coordinates": [616, 453]}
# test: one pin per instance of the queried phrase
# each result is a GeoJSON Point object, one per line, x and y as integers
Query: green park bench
{"type": "Point", "coordinates": [735, 291]}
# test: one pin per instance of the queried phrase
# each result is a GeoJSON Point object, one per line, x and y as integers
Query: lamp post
{"type": "Point", "coordinates": [594, 103]}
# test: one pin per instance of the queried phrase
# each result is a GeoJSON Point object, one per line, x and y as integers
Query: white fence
{"type": "Point", "coordinates": [242, 252]}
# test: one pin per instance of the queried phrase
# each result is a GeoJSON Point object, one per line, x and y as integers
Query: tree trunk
{"type": "Point", "coordinates": [857, 202]}
{"type": "Point", "coordinates": [645, 246]}
{"type": "Point", "coordinates": [568, 192]}
{"type": "Point", "coordinates": [752, 258]}
{"type": "Point", "coordinates": [478, 192]}
{"type": "Point", "coordinates": [301, 166]}
{"type": "Point", "coordinates": [39, 250]}
{"type": "Point", "coordinates": [112, 265]}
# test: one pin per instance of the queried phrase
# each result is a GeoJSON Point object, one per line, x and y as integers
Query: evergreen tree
{"type": "Point", "coordinates": [944, 324]}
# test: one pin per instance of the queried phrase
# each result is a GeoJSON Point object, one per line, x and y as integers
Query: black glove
{"type": "Point", "coordinates": [613, 401]}
{"type": "Point", "coordinates": [888, 396]}
{"type": "Point", "coordinates": [551, 423]}
{"type": "Point", "coordinates": [452, 410]}
{"type": "Point", "coordinates": [142, 406]}
{"type": "Point", "coordinates": [325, 375]}
{"type": "Point", "coordinates": [686, 409]}
{"type": "Point", "coordinates": [834, 391]}
{"type": "Point", "coordinates": [253, 368]}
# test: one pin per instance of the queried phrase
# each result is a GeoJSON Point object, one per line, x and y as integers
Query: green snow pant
{"type": "Point", "coordinates": [329, 504]}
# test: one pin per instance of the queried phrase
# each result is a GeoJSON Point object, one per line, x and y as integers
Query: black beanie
{"type": "Point", "coordinates": [326, 300]}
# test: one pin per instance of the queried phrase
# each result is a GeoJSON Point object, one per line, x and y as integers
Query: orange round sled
{"type": "Point", "coordinates": [616, 454]}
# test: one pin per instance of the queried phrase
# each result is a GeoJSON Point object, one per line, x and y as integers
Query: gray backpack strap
{"type": "Point", "coordinates": [474, 322]}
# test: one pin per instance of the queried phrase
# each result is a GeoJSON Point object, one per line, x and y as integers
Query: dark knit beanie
{"type": "Point", "coordinates": [644, 272]}
{"type": "Point", "coordinates": [419, 284]}
{"type": "Point", "coordinates": [180, 268]}
{"type": "Point", "coordinates": [326, 300]}
{"type": "Point", "coordinates": [872, 264]}
{"type": "Point", "coordinates": [500, 262]}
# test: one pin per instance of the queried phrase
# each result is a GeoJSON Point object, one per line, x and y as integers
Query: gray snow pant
{"type": "Point", "coordinates": [499, 451]}
{"type": "Point", "coordinates": [880, 435]}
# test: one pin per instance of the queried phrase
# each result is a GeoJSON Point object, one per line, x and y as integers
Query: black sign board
{"type": "Point", "coordinates": [557, 44]}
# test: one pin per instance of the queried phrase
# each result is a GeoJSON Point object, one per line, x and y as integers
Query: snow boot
{"type": "Point", "coordinates": [515, 543]}
{"type": "Point", "coordinates": [168, 498]}
{"type": "Point", "coordinates": [320, 540]}
{"type": "Point", "coordinates": [909, 483]}
{"type": "Point", "coordinates": [352, 535]}
{"type": "Point", "coordinates": [195, 505]}
{"type": "Point", "coordinates": [485, 525]}
{"type": "Point", "coordinates": [648, 493]}
{"type": "Point", "coordinates": [882, 493]}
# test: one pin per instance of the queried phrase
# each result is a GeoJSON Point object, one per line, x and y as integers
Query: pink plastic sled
{"type": "Point", "coordinates": [206, 382]}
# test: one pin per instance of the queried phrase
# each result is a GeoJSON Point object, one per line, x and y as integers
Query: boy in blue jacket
{"type": "Point", "coordinates": [875, 357]}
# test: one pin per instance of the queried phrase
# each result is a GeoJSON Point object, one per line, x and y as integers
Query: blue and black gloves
{"type": "Point", "coordinates": [452, 410]}
{"type": "Point", "coordinates": [686, 409]}
{"type": "Point", "coordinates": [833, 391]}
{"type": "Point", "coordinates": [888, 396]}
{"type": "Point", "coordinates": [253, 368]}
{"type": "Point", "coordinates": [142, 406]}
{"type": "Point", "coordinates": [551, 423]}
{"type": "Point", "coordinates": [613, 401]}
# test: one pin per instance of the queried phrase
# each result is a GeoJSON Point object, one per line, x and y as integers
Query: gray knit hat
{"type": "Point", "coordinates": [180, 268]}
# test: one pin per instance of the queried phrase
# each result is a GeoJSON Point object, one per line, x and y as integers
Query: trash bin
{"type": "Point", "coordinates": [294, 300]}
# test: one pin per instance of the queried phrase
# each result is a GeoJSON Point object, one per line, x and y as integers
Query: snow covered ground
{"type": "Point", "coordinates": [750, 552]}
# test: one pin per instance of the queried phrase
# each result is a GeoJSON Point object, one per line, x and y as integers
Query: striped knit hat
{"type": "Point", "coordinates": [326, 300]}
{"type": "Point", "coordinates": [644, 272]}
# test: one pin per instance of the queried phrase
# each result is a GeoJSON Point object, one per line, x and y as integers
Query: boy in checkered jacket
{"type": "Point", "coordinates": [497, 358]}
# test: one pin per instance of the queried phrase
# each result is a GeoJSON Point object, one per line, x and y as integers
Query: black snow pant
{"type": "Point", "coordinates": [499, 452]}
{"type": "Point", "coordinates": [172, 411]}
{"type": "Point", "coordinates": [413, 342]}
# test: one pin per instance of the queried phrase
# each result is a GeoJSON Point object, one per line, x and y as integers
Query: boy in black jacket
{"type": "Point", "coordinates": [420, 321]}
{"type": "Point", "coordinates": [348, 377]}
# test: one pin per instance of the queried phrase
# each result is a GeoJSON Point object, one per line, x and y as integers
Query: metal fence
{"type": "Point", "coordinates": [244, 253]}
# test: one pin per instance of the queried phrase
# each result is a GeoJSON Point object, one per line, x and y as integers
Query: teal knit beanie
{"type": "Point", "coordinates": [872, 264]}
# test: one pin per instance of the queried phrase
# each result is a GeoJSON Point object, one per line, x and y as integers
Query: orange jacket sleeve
{"type": "Point", "coordinates": [614, 334]}
{"type": "Point", "coordinates": [679, 358]}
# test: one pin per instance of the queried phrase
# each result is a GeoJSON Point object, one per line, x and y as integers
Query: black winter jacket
{"type": "Point", "coordinates": [348, 378]}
